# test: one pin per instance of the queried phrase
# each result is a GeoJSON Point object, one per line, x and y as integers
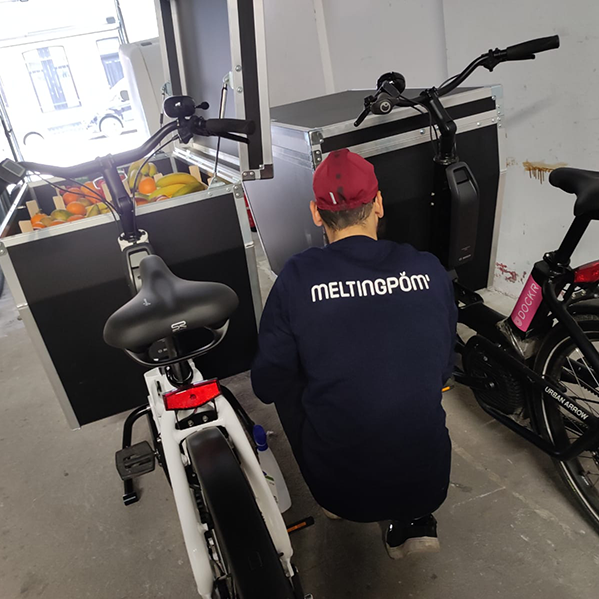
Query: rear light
{"type": "Point", "coordinates": [192, 397]}
{"type": "Point", "coordinates": [587, 273]}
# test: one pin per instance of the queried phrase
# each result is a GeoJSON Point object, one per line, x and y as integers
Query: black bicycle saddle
{"type": "Point", "coordinates": [585, 184]}
{"type": "Point", "coordinates": [166, 305]}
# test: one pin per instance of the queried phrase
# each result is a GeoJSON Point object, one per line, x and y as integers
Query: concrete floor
{"type": "Point", "coordinates": [507, 529]}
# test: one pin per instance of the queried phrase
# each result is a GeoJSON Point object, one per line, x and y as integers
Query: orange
{"type": "Point", "coordinates": [76, 208]}
{"type": "Point", "coordinates": [72, 196]}
{"type": "Point", "coordinates": [92, 193]}
{"type": "Point", "coordinates": [36, 218]}
{"type": "Point", "coordinates": [141, 202]}
{"type": "Point", "coordinates": [56, 222]}
{"type": "Point", "coordinates": [147, 185]}
{"type": "Point", "coordinates": [38, 226]}
{"type": "Point", "coordinates": [74, 217]}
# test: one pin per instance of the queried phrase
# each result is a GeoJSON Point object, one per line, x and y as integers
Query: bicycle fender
{"type": "Point", "coordinates": [584, 306]}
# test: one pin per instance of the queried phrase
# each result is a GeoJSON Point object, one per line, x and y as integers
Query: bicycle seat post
{"type": "Point", "coordinates": [179, 373]}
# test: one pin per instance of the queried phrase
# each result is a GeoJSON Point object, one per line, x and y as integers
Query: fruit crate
{"type": "Point", "coordinates": [68, 279]}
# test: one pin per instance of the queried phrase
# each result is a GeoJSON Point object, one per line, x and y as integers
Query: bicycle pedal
{"type": "Point", "coordinates": [130, 498]}
{"type": "Point", "coordinates": [134, 461]}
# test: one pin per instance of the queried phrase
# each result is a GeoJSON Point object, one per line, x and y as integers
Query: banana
{"type": "Point", "coordinates": [173, 178]}
{"type": "Point", "coordinates": [131, 178]}
{"type": "Point", "coordinates": [134, 166]}
{"type": "Point", "coordinates": [189, 188]}
{"type": "Point", "coordinates": [166, 191]}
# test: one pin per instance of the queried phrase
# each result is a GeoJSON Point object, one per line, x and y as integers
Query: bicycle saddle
{"type": "Point", "coordinates": [585, 184]}
{"type": "Point", "coordinates": [166, 305]}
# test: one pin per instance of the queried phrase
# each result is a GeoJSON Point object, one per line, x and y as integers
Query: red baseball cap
{"type": "Point", "coordinates": [344, 181]}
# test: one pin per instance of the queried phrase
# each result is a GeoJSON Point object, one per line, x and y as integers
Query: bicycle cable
{"type": "Point", "coordinates": [137, 180]}
{"type": "Point", "coordinates": [432, 128]}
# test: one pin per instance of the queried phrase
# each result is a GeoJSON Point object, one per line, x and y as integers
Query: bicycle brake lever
{"type": "Point", "coordinates": [362, 116]}
{"type": "Point", "coordinates": [368, 101]}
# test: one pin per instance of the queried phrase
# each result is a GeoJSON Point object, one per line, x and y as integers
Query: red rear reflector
{"type": "Point", "coordinates": [587, 273]}
{"type": "Point", "coordinates": [192, 397]}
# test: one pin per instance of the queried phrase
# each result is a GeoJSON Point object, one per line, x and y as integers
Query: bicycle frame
{"type": "Point", "coordinates": [170, 439]}
{"type": "Point", "coordinates": [533, 315]}
{"type": "Point", "coordinates": [535, 310]}
{"type": "Point", "coordinates": [173, 441]}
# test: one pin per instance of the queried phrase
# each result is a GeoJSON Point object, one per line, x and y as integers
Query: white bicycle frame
{"type": "Point", "coordinates": [177, 458]}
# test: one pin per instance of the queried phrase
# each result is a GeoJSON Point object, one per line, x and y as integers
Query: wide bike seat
{"type": "Point", "coordinates": [585, 184]}
{"type": "Point", "coordinates": [165, 305]}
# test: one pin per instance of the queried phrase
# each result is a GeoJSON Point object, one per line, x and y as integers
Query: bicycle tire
{"type": "Point", "coordinates": [549, 422]}
{"type": "Point", "coordinates": [241, 532]}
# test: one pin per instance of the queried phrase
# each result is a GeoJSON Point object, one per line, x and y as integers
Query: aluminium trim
{"type": "Point", "coordinates": [206, 164]}
{"type": "Point", "coordinates": [412, 138]}
{"type": "Point", "coordinates": [237, 76]}
{"type": "Point", "coordinates": [496, 227]}
{"type": "Point", "coordinates": [178, 47]}
{"type": "Point", "coordinates": [261, 59]}
{"type": "Point", "coordinates": [291, 139]}
{"type": "Point", "coordinates": [238, 83]}
{"type": "Point", "coordinates": [11, 212]}
{"type": "Point", "coordinates": [497, 91]}
{"type": "Point", "coordinates": [250, 250]}
{"type": "Point", "coordinates": [281, 125]}
{"type": "Point", "coordinates": [103, 219]}
{"type": "Point", "coordinates": [292, 157]}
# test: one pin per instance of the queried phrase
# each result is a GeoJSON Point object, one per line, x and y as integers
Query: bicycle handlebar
{"type": "Point", "coordinates": [218, 127]}
{"type": "Point", "coordinates": [523, 51]}
{"type": "Point", "coordinates": [527, 50]}
{"type": "Point", "coordinates": [95, 166]}
{"type": "Point", "coordinates": [195, 125]}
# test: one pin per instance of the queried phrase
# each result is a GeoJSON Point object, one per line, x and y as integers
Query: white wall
{"type": "Point", "coordinates": [551, 114]}
{"type": "Point", "coordinates": [295, 70]}
{"type": "Point", "coordinates": [321, 46]}
{"type": "Point", "coordinates": [369, 38]}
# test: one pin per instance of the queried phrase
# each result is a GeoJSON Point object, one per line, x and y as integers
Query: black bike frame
{"type": "Point", "coordinates": [552, 274]}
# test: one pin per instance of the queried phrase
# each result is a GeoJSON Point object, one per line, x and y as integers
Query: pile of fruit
{"type": "Point", "coordinates": [79, 202]}
{"type": "Point", "coordinates": [88, 200]}
{"type": "Point", "coordinates": [152, 189]}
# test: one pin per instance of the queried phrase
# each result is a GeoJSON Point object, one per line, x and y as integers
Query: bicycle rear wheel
{"type": "Point", "coordinates": [562, 362]}
{"type": "Point", "coordinates": [241, 532]}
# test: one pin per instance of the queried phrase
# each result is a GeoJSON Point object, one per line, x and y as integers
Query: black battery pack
{"type": "Point", "coordinates": [465, 203]}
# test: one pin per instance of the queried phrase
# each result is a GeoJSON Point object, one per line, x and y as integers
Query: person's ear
{"type": "Point", "coordinates": [378, 205]}
{"type": "Point", "coordinates": [315, 214]}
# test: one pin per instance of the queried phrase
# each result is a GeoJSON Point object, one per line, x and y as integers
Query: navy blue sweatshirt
{"type": "Point", "coordinates": [356, 342]}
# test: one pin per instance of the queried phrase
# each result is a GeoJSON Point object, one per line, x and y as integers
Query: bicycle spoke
{"type": "Point", "coordinates": [588, 368]}
{"type": "Point", "coordinates": [583, 384]}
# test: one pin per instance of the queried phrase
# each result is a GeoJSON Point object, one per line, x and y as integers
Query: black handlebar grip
{"type": "Point", "coordinates": [529, 49]}
{"type": "Point", "coordinates": [221, 126]}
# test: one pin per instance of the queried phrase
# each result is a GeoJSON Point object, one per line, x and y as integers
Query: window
{"type": "Point", "coordinates": [51, 77]}
{"type": "Point", "coordinates": [109, 55]}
